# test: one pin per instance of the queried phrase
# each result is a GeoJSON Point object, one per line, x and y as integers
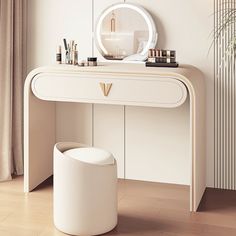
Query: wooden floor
{"type": "Point", "coordinates": [144, 209]}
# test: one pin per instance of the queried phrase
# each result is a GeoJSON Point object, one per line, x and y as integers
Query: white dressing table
{"type": "Point", "coordinates": [121, 84]}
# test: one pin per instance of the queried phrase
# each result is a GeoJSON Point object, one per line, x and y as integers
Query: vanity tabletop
{"type": "Point", "coordinates": [128, 68]}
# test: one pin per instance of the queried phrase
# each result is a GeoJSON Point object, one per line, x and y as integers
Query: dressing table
{"type": "Point", "coordinates": [118, 84]}
{"type": "Point", "coordinates": [125, 84]}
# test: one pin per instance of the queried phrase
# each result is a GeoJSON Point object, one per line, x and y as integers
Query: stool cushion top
{"type": "Point", "coordinates": [91, 155]}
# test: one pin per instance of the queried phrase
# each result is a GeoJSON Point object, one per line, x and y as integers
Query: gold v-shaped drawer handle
{"type": "Point", "coordinates": [105, 88]}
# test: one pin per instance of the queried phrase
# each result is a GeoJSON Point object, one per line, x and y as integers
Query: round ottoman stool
{"type": "Point", "coordinates": [84, 189]}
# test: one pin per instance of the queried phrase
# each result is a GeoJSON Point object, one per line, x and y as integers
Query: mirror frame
{"type": "Point", "coordinates": [152, 38]}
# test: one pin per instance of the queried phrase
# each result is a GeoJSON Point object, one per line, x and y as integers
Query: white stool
{"type": "Point", "coordinates": [85, 189]}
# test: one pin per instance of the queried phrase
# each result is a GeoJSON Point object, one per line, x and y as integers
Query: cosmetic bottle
{"type": "Point", "coordinates": [71, 51]}
{"type": "Point", "coordinates": [58, 55]}
{"type": "Point", "coordinates": [75, 55]}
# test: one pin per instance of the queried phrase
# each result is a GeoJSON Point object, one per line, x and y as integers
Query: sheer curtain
{"type": "Point", "coordinates": [12, 13]}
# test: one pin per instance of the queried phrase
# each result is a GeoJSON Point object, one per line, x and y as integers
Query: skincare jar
{"type": "Point", "coordinates": [92, 61]}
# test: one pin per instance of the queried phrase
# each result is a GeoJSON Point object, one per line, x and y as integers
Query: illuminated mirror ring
{"type": "Point", "coordinates": [140, 55]}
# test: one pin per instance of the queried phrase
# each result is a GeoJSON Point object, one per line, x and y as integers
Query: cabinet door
{"type": "Point", "coordinates": [74, 122]}
{"type": "Point", "coordinates": [108, 132]}
{"type": "Point", "coordinates": [157, 144]}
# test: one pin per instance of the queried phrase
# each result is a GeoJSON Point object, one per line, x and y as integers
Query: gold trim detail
{"type": "Point", "coordinates": [102, 85]}
{"type": "Point", "coordinates": [106, 88]}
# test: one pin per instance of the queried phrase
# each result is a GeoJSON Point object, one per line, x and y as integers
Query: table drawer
{"type": "Point", "coordinates": [140, 91]}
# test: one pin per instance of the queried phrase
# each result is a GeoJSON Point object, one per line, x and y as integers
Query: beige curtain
{"type": "Point", "coordinates": [11, 87]}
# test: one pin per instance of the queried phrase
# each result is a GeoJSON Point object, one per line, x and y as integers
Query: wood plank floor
{"type": "Point", "coordinates": [144, 209]}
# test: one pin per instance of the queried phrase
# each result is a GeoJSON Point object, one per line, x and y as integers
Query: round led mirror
{"type": "Point", "coordinates": [125, 32]}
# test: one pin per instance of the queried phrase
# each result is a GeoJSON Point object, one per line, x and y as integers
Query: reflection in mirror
{"type": "Point", "coordinates": [125, 32]}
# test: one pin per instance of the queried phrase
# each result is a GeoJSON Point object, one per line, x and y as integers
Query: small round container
{"type": "Point", "coordinates": [82, 63]}
{"type": "Point", "coordinates": [92, 61]}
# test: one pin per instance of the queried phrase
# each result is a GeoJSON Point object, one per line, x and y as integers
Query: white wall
{"type": "Point", "coordinates": [49, 21]}
{"type": "Point", "coordinates": [183, 25]}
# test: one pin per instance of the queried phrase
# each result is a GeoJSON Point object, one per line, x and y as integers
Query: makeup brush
{"type": "Point", "coordinates": [65, 44]}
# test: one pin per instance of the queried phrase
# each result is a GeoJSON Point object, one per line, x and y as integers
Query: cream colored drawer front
{"type": "Point", "coordinates": [138, 91]}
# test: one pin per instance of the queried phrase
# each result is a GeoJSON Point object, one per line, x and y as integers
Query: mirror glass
{"type": "Point", "coordinates": [125, 32]}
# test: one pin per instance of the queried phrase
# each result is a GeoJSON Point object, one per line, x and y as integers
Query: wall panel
{"type": "Point", "coordinates": [225, 99]}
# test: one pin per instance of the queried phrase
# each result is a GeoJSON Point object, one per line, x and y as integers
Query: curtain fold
{"type": "Point", "coordinates": [11, 87]}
